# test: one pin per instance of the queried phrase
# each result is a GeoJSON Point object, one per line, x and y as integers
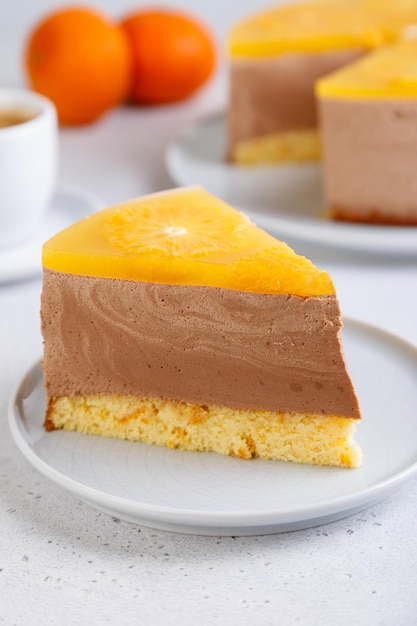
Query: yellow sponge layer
{"type": "Point", "coordinates": [312, 439]}
{"type": "Point", "coordinates": [296, 146]}
{"type": "Point", "coordinates": [320, 26]}
{"type": "Point", "coordinates": [390, 72]}
{"type": "Point", "coordinates": [187, 237]}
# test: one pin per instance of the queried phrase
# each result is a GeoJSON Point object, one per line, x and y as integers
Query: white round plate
{"type": "Point", "coordinates": [206, 493]}
{"type": "Point", "coordinates": [285, 200]}
{"type": "Point", "coordinates": [23, 260]}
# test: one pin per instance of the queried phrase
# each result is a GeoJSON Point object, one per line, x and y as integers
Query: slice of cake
{"type": "Point", "coordinates": [173, 320]}
{"type": "Point", "coordinates": [276, 57]}
{"type": "Point", "coordinates": [368, 117]}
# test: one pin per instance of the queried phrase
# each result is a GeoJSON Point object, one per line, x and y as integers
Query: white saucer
{"type": "Point", "coordinates": [215, 495]}
{"type": "Point", "coordinates": [286, 200]}
{"type": "Point", "coordinates": [23, 260]}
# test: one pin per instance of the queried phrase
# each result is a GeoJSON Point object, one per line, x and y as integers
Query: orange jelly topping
{"type": "Point", "coordinates": [185, 236]}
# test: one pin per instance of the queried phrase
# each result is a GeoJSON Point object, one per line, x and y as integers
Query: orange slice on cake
{"type": "Point", "coordinates": [183, 237]}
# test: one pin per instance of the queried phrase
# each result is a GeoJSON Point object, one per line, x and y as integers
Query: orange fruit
{"type": "Point", "coordinates": [81, 61]}
{"type": "Point", "coordinates": [173, 55]}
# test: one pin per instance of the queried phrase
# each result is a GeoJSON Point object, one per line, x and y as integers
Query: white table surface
{"type": "Point", "coordinates": [62, 562]}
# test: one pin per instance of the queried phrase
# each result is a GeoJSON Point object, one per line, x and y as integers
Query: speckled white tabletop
{"type": "Point", "coordinates": [63, 562]}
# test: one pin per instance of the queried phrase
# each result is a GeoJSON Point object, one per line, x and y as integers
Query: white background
{"type": "Point", "coordinates": [62, 562]}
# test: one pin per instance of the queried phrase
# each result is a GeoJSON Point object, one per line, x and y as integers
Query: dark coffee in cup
{"type": "Point", "coordinates": [13, 117]}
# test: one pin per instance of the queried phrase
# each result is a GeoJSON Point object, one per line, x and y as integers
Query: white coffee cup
{"type": "Point", "coordinates": [28, 162]}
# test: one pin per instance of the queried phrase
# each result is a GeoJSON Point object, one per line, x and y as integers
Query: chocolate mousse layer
{"type": "Point", "coordinates": [197, 344]}
{"type": "Point", "coordinates": [369, 158]}
{"type": "Point", "coordinates": [271, 95]}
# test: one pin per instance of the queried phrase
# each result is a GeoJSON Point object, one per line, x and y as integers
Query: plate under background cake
{"type": "Point", "coordinates": [173, 320]}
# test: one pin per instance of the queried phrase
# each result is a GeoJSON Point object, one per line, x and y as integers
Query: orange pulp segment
{"type": "Point", "coordinates": [185, 236]}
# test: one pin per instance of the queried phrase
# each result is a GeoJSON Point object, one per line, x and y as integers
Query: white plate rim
{"type": "Point", "coordinates": [340, 505]}
{"type": "Point", "coordinates": [366, 238]}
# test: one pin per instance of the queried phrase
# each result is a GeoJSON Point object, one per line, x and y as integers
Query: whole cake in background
{"type": "Point", "coordinates": [276, 57]}
{"type": "Point", "coordinates": [368, 121]}
{"type": "Point", "coordinates": [173, 320]}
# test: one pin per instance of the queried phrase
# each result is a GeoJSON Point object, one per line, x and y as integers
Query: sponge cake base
{"type": "Point", "coordinates": [301, 438]}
